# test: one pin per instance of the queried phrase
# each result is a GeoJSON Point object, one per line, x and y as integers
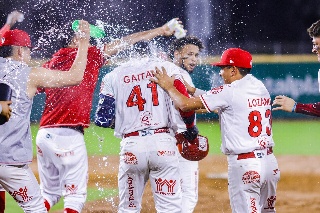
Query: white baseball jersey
{"type": "Point", "coordinates": [138, 98]}
{"type": "Point", "coordinates": [245, 114]}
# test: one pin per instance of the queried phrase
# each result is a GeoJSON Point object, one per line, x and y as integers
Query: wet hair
{"type": "Point", "coordinates": [178, 44]}
{"type": "Point", "coordinates": [6, 51]}
{"type": "Point", "coordinates": [314, 30]}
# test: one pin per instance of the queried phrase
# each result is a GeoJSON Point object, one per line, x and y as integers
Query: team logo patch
{"type": "Point", "coordinates": [130, 158]}
{"type": "Point", "coordinates": [166, 153]}
{"type": "Point", "coordinates": [146, 118]}
{"type": "Point", "coordinates": [253, 205]}
{"type": "Point", "coordinates": [251, 177]}
{"type": "Point", "coordinates": [216, 90]}
{"type": "Point", "coordinates": [263, 142]}
{"type": "Point", "coordinates": [71, 189]}
{"type": "Point", "coordinates": [22, 193]}
{"type": "Point", "coordinates": [165, 187]}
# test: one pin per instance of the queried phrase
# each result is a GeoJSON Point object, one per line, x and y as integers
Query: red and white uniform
{"type": "Point", "coordinates": [144, 119]}
{"type": "Point", "coordinates": [189, 170]}
{"type": "Point", "coordinates": [62, 155]}
{"type": "Point", "coordinates": [245, 120]}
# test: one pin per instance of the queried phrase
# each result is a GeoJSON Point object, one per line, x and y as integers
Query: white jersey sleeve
{"type": "Point", "coordinates": [106, 84]}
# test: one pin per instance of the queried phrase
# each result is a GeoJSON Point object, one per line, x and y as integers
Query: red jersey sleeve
{"type": "Point", "coordinates": [308, 109]}
{"type": "Point", "coordinates": [188, 117]}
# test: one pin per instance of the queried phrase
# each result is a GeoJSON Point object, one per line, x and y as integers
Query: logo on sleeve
{"type": "Point", "coordinates": [216, 90]}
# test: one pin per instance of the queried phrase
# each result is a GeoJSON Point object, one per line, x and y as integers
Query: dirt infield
{"type": "Point", "coordinates": [298, 189]}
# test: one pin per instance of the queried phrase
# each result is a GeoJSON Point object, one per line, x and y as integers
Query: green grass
{"type": "Point", "coordinates": [298, 137]}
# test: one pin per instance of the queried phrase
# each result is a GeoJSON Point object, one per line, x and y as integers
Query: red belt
{"type": "Point", "coordinates": [252, 154]}
{"type": "Point", "coordinates": [148, 132]}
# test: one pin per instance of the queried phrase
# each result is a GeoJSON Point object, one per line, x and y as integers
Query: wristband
{"type": "Point", "coordinates": [294, 107]}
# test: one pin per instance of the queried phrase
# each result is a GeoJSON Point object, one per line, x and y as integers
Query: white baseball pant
{"type": "Point", "coordinates": [153, 157]}
{"type": "Point", "coordinates": [63, 167]}
{"type": "Point", "coordinates": [21, 184]}
{"type": "Point", "coordinates": [253, 182]}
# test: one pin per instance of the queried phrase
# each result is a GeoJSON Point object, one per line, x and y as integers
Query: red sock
{"type": "Point", "coordinates": [2, 201]}
{"type": "Point", "coordinates": [67, 210]}
{"type": "Point", "coordinates": [47, 204]}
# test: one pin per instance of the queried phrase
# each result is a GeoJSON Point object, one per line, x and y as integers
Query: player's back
{"type": "Point", "coordinates": [141, 104]}
{"type": "Point", "coordinates": [248, 123]}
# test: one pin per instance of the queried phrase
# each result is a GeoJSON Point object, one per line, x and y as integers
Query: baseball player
{"type": "Point", "coordinates": [143, 116]}
{"type": "Point", "coordinates": [184, 52]}
{"type": "Point", "coordinates": [62, 154]}
{"type": "Point", "coordinates": [16, 177]}
{"type": "Point", "coordinates": [288, 104]}
{"type": "Point", "coordinates": [244, 108]}
{"type": "Point", "coordinates": [5, 109]}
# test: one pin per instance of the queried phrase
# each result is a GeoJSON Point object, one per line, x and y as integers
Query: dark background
{"type": "Point", "coordinates": [269, 26]}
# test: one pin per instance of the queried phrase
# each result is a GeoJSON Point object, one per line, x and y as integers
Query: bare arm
{"type": "Point", "coordinates": [113, 47]}
{"type": "Point", "coordinates": [42, 77]}
{"type": "Point", "coordinates": [283, 103]}
{"type": "Point", "coordinates": [289, 105]}
{"type": "Point", "coordinates": [179, 100]}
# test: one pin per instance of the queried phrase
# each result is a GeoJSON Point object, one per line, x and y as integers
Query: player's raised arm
{"type": "Point", "coordinates": [117, 45]}
{"type": "Point", "coordinates": [42, 77]}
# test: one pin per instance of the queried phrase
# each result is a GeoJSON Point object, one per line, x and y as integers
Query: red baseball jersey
{"type": "Point", "coordinates": [71, 106]}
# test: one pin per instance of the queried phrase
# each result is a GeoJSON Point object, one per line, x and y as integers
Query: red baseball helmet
{"type": "Point", "coordinates": [194, 150]}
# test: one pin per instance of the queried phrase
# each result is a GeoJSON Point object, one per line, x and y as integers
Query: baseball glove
{"type": "Point", "coordinates": [194, 150]}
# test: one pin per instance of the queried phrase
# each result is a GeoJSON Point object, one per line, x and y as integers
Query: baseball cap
{"type": "Point", "coordinates": [16, 38]}
{"type": "Point", "coordinates": [235, 57]}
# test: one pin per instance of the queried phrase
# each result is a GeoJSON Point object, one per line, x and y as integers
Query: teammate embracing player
{"type": "Point", "coordinates": [246, 131]}
{"type": "Point", "coordinates": [143, 116]}
{"type": "Point", "coordinates": [184, 52]}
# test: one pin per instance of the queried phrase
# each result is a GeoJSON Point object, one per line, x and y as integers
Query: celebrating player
{"type": "Point", "coordinates": [288, 104]}
{"type": "Point", "coordinates": [62, 157]}
{"type": "Point", "coordinates": [143, 116]}
{"type": "Point", "coordinates": [12, 18]}
{"type": "Point", "coordinates": [16, 177]}
{"type": "Point", "coordinates": [184, 52]}
{"type": "Point", "coordinates": [244, 108]}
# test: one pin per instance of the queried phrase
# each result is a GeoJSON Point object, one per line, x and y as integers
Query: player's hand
{"type": "Point", "coordinates": [191, 133]}
{"type": "Point", "coordinates": [13, 17]}
{"type": "Point", "coordinates": [6, 109]}
{"type": "Point", "coordinates": [283, 103]}
{"type": "Point", "coordinates": [162, 78]}
{"type": "Point", "coordinates": [166, 31]}
{"type": "Point", "coordinates": [84, 30]}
